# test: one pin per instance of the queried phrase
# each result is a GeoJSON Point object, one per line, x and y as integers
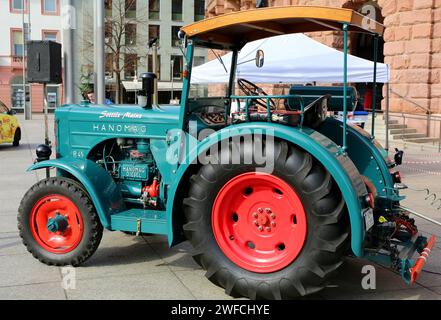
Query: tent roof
{"type": "Point", "coordinates": [236, 28]}
{"type": "Point", "coordinates": [293, 58]}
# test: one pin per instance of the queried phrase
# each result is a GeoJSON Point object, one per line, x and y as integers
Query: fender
{"type": "Point", "coordinates": [103, 191]}
{"type": "Point", "coordinates": [323, 149]}
{"type": "Point", "coordinates": [368, 156]}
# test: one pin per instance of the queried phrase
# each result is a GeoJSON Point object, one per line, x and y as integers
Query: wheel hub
{"type": "Point", "coordinates": [56, 224]}
{"type": "Point", "coordinates": [259, 222]}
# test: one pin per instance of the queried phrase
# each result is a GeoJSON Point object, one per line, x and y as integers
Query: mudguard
{"type": "Point", "coordinates": [323, 149]}
{"type": "Point", "coordinates": [103, 191]}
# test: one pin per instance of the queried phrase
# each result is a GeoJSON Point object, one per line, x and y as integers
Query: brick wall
{"type": "Point", "coordinates": [412, 43]}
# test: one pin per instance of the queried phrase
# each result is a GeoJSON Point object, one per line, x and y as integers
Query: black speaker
{"type": "Point", "coordinates": [44, 62]}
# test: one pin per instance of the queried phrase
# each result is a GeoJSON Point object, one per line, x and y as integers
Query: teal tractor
{"type": "Point", "coordinates": [272, 196]}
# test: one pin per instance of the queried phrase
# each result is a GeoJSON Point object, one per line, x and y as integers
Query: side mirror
{"type": "Point", "coordinates": [12, 112]}
{"type": "Point", "coordinates": [260, 58]}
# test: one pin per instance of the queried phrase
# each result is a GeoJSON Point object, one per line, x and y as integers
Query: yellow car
{"type": "Point", "coordinates": [10, 131]}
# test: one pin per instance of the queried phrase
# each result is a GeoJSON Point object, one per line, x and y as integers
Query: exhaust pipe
{"type": "Point", "coordinates": [148, 87]}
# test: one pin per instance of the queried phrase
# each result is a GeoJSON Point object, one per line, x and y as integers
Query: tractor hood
{"type": "Point", "coordinates": [119, 113]}
{"type": "Point", "coordinates": [79, 128]}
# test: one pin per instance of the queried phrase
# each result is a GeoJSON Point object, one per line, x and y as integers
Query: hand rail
{"type": "Point", "coordinates": [411, 101]}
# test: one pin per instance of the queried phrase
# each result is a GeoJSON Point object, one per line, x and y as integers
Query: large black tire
{"type": "Point", "coordinates": [17, 138]}
{"type": "Point", "coordinates": [326, 240]}
{"type": "Point", "coordinates": [92, 227]}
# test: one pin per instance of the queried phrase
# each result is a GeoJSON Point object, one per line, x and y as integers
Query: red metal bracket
{"type": "Point", "coordinates": [415, 271]}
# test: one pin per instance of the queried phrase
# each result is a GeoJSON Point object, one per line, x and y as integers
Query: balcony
{"type": "Point", "coordinates": [15, 62]}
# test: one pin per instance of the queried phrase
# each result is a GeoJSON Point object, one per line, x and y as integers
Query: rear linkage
{"type": "Point", "coordinates": [395, 239]}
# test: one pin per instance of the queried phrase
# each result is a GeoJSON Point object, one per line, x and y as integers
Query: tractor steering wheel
{"type": "Point", "coordinates": [251, 89]}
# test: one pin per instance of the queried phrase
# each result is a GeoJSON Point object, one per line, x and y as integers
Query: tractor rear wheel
{"type": "Point", "coordinates": [58, 223]}
{"type": "Point", "coordinates": [260, 235]}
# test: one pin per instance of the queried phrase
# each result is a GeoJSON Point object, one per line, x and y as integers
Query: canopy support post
{"type": "Point", "coordinates": [387, 114]}
{"type": "Point", "coordinates": [345, 84]}
{"type": "Point", "coordinates": [374, 86]}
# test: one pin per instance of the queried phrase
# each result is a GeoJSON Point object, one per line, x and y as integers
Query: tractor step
{"type": "Point", "coordinates": [140, 221]}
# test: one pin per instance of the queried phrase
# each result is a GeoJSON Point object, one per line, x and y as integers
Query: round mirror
{"type": "Point", "coordinates": [260, 58]}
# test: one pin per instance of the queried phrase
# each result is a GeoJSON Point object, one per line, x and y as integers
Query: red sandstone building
{"type": "Point", "coordinates": [412, 46]}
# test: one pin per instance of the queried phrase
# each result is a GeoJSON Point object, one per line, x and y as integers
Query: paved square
{"type": "Point", "coordinates": [128, 267]}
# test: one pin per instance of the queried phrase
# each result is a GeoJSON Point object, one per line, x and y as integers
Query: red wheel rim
{"type": "Point", "coordinates": [58, 242]}
{"type": "Point", "coordinates": [259, 222]}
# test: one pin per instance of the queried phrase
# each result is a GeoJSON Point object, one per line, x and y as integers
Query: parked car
{"type": "Point", "coordinates": [10, 131]}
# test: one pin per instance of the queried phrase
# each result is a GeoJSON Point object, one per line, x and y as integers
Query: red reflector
{"type": "Point", "coordinates": [396, 177]}
{"type": "Point", "coordinates": [370, 200]}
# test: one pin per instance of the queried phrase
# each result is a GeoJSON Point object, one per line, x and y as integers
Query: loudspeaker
{"type": "Point", "coordinates": [44, 62]}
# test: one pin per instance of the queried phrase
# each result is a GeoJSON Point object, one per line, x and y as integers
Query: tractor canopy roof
{"type": "Point", "coordinates": [237, 28]}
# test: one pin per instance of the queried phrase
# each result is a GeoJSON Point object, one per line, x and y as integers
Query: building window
{"type": "Point", "coordinates": [177, 63]}
{"type": "Point", "coordinates": [174, 37]}
{"type": "Point", "coordinates": [130, 65]}
{"type": "Point", "coordinates": [198, 61]}
{"type": "Point", "coordinates": [109, 57]}
{"type": "Point", "coordinates": [150, 65]}
{"type": "Point", "coordinates": [108, 33]}
{"type": "Point", "coordinates": [199, 10]}
{"type": "Point", "coordinates": [16, 6]}
{"type": "Point", "coordinates": [154, 32]}
{"type": "Point", "coordinates": [50, 36]}
{"type": "Point", "coordinates": [130, 9]}
{"type": "Point", "coordinates": [53, 96]}
{"type": "Point", "coordinates": [17, 94]}
{"type": "Point", "coordinates": [130, 34]}
{"type": "Point", "coordinates": [108, 7]}
{"type": "Point", "coordinates": [154, 9]}
{"type": "Point", "coordinates": [177, 10]}
{"type": "Point", "coordinates": [50, 7]}
{"type": "Point", "coordinates": [17, 43]}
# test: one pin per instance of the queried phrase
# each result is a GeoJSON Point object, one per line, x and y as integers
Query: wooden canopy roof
{"type": "Point", "coordinates": [236, 28]}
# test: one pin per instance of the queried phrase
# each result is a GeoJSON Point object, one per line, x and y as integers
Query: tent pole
{"type": "Point", "coordinates": [374, 86]}
{"type": "Point", "coordinates": [345, 84]}
{"type": "Point", "coordinates": [387, 115]}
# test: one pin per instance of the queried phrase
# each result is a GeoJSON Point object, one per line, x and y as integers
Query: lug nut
{"type": "Point", "coordinates": [273, 224]}
{"type": "Point", "coordinates": [268, 210]}
{"type": "Point", "coordinates": [273, 216]}
{"type": "Point", "coordinates": [255, 222]}
{"type": "Point", "coordinates": [268, 229]}
{"type": "Point", "coordinates": [260, 210]}
{"type": "Point", "coordinates": [260, 228]}
{"type": "Point", "coordinates": [255, 215]}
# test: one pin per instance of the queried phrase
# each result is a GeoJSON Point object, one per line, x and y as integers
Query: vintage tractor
{"type": "Point", "coordinates": [272, 196]}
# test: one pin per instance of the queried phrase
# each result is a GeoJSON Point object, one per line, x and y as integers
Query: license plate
{"type": "Point", "coordinates": [369, 219]}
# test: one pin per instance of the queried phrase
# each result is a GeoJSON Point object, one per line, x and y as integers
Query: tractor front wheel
{"type": "Point", "coordinates": [58, 223]}
{"type": "Point", "coordinates": [275, 235]}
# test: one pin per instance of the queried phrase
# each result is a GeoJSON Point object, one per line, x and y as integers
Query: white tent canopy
{"type": "Point", "coordinates": [292, 58]}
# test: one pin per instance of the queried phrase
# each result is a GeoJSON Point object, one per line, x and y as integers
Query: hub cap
{"type": "Point", "coordinates": [259, 222]}
{"type": "Point", "coordinates": [56, 224]}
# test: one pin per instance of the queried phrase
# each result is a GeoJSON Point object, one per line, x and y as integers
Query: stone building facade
{"type": "Point", "coordinates": [412, 44]}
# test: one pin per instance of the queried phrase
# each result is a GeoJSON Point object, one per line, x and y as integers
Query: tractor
{"type": "Point", "coordinates": [271, 191]}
